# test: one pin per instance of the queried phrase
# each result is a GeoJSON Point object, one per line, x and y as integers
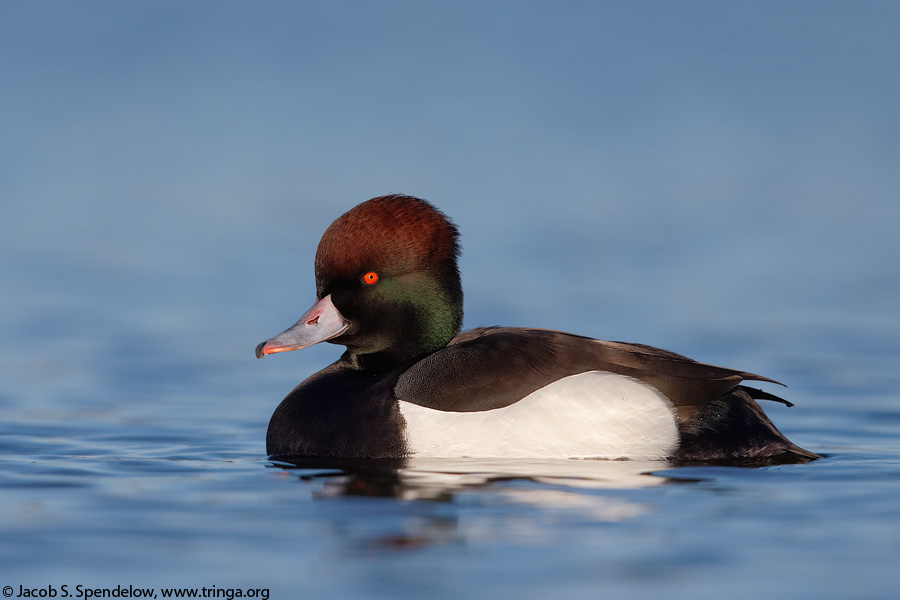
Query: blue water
{"type": "Point", "coordinates": [720, 181]}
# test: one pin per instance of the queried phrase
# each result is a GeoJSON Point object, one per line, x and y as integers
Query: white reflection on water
{"type": "Point", "coordinates": [368, 505]}
{"type": "Point", "coordinates": [422, 473]}
{"type": "Point", "coordinates": [556, 485]}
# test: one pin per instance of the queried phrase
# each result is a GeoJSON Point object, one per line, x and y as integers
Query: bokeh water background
{"type": "Point", "coordinates": [719, 179]}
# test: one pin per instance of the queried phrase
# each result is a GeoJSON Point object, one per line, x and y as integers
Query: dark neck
{"type": "Point", "coordinates": [401, 346]}
{"type": "Point", "coordinates": [409, 334]}
{"type": "Point", "coordinates": [374, 363]}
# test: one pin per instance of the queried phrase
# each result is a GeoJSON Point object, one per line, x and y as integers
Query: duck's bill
{"type": "Point", "coordinates": [320, 323]}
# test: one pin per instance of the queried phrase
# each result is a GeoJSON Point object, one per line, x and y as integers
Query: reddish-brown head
{"type": "Point", "coordinates": [389, 266]}
{"type": "Point", "coordinates": [387, 235]}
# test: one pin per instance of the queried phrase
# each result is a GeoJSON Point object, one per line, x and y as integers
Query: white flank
{"type": "Point", "coordinates": [590, 415]}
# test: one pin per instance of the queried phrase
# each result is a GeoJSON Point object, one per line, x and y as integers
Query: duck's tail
{"type": "Point", "coordinates": [734, 428]}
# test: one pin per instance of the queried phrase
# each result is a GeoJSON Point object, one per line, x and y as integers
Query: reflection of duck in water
{"type": "Point", "coordinates": [417, 478]}
{"type": "Point", "coordinates": [409, 384]}
{"type": "Point", "coordinates": [569, 485]}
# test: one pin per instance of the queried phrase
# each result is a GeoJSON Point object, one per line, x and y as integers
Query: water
{"type": "Point", "coordinates": [720, 184]}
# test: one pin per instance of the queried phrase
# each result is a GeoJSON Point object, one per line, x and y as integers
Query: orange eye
{"type": "Point", "coordinates": [370, 277]}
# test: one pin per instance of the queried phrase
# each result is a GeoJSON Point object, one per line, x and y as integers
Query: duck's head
{"type": "Point", "coordinates": [387, 285]}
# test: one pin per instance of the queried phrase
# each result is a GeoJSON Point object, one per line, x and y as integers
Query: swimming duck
{"type": "Point", "coordinates": [410, 384]}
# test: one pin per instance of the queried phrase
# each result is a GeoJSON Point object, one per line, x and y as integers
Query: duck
{"type": "Point", "coordinates": [412, 384]}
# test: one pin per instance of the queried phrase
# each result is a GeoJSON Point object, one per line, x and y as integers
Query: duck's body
{"type": "Point", "coordinates": [410, 384]}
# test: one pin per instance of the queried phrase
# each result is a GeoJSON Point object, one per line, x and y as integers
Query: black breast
{"type": "Point", "coordinates": [338, 413]}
